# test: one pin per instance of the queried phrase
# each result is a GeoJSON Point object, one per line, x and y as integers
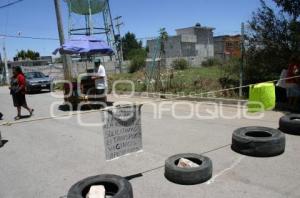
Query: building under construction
{"type": "Point", "coordinates": [227, 47]}
{"type": "Point", "coordinates": [195, 44]}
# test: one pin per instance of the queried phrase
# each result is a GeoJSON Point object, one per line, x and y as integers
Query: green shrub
{"type": "Point", "coordinates": [180, 64]}
{"type": "Point", "coordinates": [231, 69]}
{"type": "Point", "coordinates": [137, 53]}
{"type": "Point", "coordinates": [210, 62]}
{"type": "Point", "coordinates": [136, 64]}
{"type": "Point", "coordinates": [230, 73]}
{"type": "Point", "coordinates": [137, 60]}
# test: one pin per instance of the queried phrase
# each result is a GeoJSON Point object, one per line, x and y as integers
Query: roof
{"type": "Point", "coordinates": [196, 27]}
{"type": "Point", "coordinates": [226, 36]}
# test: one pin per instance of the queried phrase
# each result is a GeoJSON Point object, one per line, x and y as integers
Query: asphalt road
{"type": "Point", "coordinates": [42, 159]}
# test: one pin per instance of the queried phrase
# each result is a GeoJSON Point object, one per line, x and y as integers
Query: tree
{"type": "Point", "coordinates": [273, 39]}
{"type": "Point", "coordinates": [130, 42]}
{"type": "Point", "coordinates": [292, 7]}
{"type": "Point", "coordinates": [163, 38]}
{"type": "Point", "coordinates": [32, 55]}
{"type": "Point", "coordinates": [21, 54]}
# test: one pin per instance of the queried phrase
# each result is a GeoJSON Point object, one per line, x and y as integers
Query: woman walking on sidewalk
{"type": "Point", "coordinates": [17, 90]}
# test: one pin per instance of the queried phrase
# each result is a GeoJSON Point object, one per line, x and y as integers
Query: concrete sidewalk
{"type": "Point", "coordinates": [44, 158]}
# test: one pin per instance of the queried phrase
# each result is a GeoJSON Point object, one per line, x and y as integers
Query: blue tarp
{"type": "Point", "coordinates": [85, 45]}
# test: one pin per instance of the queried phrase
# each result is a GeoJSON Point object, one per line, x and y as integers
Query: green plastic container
{"type": "Point", "coordinates": [261, 97]}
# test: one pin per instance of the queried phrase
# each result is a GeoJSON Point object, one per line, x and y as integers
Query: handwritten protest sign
{"type": "Point", "coordinates": [122, 131]}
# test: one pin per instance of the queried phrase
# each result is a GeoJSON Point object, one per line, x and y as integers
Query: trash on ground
{"type": "Point", "coordinates": [185, 163]}
{"type": "Point", "coordinates": [96, 192]}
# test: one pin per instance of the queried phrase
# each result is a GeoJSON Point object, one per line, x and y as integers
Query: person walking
{"type": "Point", "coordinates": [18, 91]}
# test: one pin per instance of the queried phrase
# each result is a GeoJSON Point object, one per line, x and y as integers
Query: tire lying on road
{"type": "Point", "coordinates": [114, 185]}
{"type": "Point", "coordinates": [258, 141]}
{"type": "Point", "coordinates": [290, 124]}
{"type": "Point", "coordinates": [188, 176]}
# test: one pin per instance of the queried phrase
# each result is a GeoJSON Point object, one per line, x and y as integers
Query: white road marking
{"type": "Point", "coordinates": [213, 179]}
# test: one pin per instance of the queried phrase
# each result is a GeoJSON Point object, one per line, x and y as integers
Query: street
{"type": "Point", "coordinates": [44, 158]}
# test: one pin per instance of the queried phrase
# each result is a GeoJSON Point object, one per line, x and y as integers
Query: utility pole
{"type": "Point", "coordinates": [118, 25]}
{"type": "Point", "coordinates": [242, 59]}
{"type": "Point", "coordinates": [7, 76]}
{"type": "Point", "coordinates": [66, 58]}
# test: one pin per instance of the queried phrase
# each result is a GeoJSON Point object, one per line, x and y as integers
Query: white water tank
{"type": "Point", "coordinates": [82, 7]}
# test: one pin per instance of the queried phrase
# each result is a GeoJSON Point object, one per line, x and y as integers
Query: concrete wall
{"type": "Point", "coordinates": [172, 47]}
{"type": "Point", "coordinates": [205, 44]}
{"type": "Point", "coordinates": [205, 51]}
{"type": "Point", "coordinates": [188, 38]}
{"type": "Point", "coordinates": [188, 31]}
{"type": "Point", "coordinates": [188, 49]}
{"type": "Point", "coordinates": [56, 70]}
{"type": "Point", "coordinates": [219, 48]}
{"type": "Point", "coordinates": [192, 60]}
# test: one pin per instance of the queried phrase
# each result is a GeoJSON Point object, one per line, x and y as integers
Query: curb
{"type": "Point", "coordinates": [225, 101]}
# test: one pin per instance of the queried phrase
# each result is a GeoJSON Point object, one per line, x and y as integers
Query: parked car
{"type": "Point", "coordinates": [37, 81]}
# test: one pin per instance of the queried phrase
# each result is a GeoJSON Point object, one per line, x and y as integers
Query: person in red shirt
{"type": "Point", "coordinates": [19, 92]}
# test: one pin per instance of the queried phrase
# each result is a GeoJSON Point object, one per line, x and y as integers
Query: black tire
{"type": "Point", "coordinates": [258, 141]}
{"type": "Point", "coordinates": [290, 124]}
{"type": "Point", "coordinates": [114, 185]}
{"type": "Point", "coordinates": [188, 176]}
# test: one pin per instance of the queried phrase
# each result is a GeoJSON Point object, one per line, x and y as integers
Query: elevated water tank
{"type": "Point", "coordinates": [82, 7]}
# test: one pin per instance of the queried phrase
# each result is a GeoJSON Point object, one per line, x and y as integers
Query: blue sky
{"type": "Point", "coordinates": [144, 18]}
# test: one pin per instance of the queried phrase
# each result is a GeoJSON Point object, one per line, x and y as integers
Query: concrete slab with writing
{"type": "Point", "coordinates": [122, 131]}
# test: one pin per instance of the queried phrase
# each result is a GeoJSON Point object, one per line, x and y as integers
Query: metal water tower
{"type": "Point", "coordinates": [93, 17]}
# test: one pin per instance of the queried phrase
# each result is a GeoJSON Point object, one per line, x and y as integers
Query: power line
{"type": "Point", "coordinates": [29, 37]}
{"type": "Point", "coordinates": [11, 3]}
{"type": "Point", "coordinates": [53, 39]}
